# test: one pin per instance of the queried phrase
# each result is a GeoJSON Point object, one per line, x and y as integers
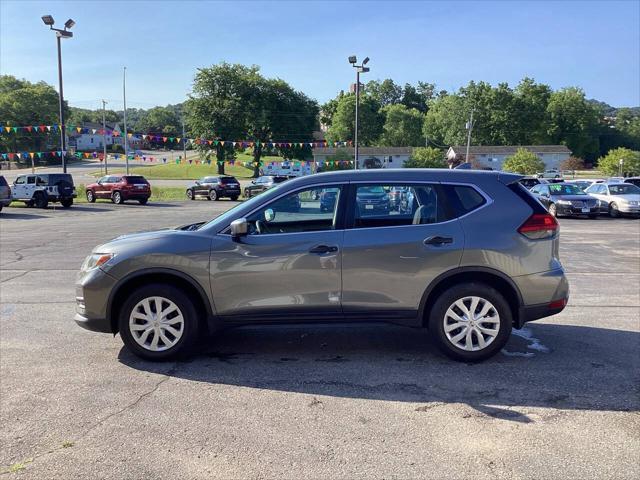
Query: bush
{"type": "Point", "coordinates": [572, 163]}
{"type": "Point", "coordinates": [610, 163]}
{"type": "Point", "coordinates": [524, 162]}
{"type": "Point", "coordinates": [426, 157]}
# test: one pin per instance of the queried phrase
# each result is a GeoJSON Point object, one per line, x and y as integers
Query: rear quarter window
{"type": "Point", "coordinates": [463, 199]}
{"type": "Point", "coordinates": [3, 182]}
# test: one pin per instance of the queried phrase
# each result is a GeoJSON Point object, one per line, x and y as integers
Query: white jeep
{"type": "Point", "coordinates": [41, 189]}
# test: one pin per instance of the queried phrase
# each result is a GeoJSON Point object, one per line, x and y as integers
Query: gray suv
{"type": "Point", "coordinates": [472, 256]}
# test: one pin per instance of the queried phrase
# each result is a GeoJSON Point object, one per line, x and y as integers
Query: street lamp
{"type": "Point", "coordinates": [359, 69]}
{"type": "Point", "coordinates": [60, 33]}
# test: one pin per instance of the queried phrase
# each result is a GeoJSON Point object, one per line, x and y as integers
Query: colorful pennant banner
{"type": "Point", "coordinates": [36, 129]}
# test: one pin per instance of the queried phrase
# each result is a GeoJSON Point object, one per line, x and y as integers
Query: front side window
{"type": "Point", "coordinates": [20, 180]}
{"type": "Point", "coordinates": [395, 205]}
{"type": "Point", "coordinates": [309, 210]}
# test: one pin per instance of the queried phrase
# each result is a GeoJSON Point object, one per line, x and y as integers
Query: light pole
{"type": "Point", "coordinates": [359, 69]}
{"type": "Point", "coordinates": [61, 33]}
{"type": "Point", "coordinates": [469, 128]}
{"type": "Point", "coordinates": [620, 164]}
{"type": "Point", "coordinates": [104, 137]}
{"type": "Point", "coordinates": [125, 137]}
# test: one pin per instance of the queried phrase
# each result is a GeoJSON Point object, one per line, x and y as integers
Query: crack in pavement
{"type": "Point", "coordinates": [102, 421]}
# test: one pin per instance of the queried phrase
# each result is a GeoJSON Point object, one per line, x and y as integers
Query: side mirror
{"type": "Point", "coordinates": [197, 182]}
{"type": "Point", "coordinates": [239, 228]}
{"type": "Point", "coordinates": [253, 182]}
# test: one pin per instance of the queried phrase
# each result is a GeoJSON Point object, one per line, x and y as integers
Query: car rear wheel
{"type": "Point", "coordinates": [143, 201]}
{"type": "Point", "coordinates": [91, 198]}
{"type": "Point", "coordinates": [67, 202]}
{"type": "Point", "coordinates": [190, 195]}
{"type": "Point", "coordinates": [234, 198]}
{"type": "Point", "coordinates": [116, 197]}
{"type": "Point", "coordinates": [613, 210]}
{"type": "Point", "coordinates": [41, 200]}
{"type": "Point", "coordinates": [158, 322]}
{"type": "Point", "coordinates": [471, 322]}
{"type": "Point", "coordinates": [213, 195]}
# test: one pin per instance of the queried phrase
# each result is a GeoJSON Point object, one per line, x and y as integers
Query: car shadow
{"type": "Point", "coordinates": [13, 215]}
{"type": "Point", "coordinates": [543, 365]}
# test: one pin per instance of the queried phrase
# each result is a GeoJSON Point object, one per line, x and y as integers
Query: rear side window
{"type": "Point", "coordinates": [528, 198]}
{"type": "Point", "coordinates": [225, 180]}
{"type": "Point", "coordinates": [135, 179]}
{"type": "Point", "coordinates": [464, 199]}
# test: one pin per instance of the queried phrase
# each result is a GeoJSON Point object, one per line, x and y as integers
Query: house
{"type": "Point", "coordinates": [494, 156]}
{"type": "Point", "coordinates": [90, 137]}
{"type": "Point", "coordinates": [368, 157]}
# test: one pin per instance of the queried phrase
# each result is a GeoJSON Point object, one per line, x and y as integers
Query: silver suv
{"type": "Point", "coordinates": [471, 257]}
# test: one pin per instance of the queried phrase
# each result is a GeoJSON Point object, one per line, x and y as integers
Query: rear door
{"type": "Point", "coordinates": [390, 255]}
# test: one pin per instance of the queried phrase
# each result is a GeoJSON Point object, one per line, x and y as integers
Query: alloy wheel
{"type": "Point", "coordinates": [471, 323]}
{"type": "Point", "coordinates": [156, 324]}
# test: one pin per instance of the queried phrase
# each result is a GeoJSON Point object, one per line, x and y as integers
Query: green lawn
{"type": "Point", "coordinates": [173, 171]}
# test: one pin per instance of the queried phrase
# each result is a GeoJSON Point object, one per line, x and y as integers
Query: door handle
{"type": "Point", "coordinates": [437, 240]}
{"type": "Point", "coordinates": [323, 249]}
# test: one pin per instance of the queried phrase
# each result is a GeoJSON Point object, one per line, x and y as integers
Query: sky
{"type": "Point", "coordinates": [590, 44]}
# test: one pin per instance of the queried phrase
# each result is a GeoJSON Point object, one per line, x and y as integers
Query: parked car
{"type": "Point", "coordinates": [373, 200]}
{"type": "Point", "coordinates": [476, 256]}
{"type": "Point", "coordinates": [215, 188]}
{"type": "Point", "coordinates": [633, 180]}
{"type": "Point", "coordinates": [553, 173]}
{"type": "Point", "coordinates": [617, 199]}
{"type": "Point", "coordinates": [581, 184]}
{"type": "Point", "coordinates": [44, 188]}
{"type": "Point", "coordinates": [328, 200]}
{"type": "Point", "coordinates": [119, 188]}
{"type": "Point", "coordinates": [262, 184]}
{"type": "Point", "coordinates": [566, 199]}
{"type": "Point", "coordinates": [529, 182]}
{"type": "Point", "coordinates": [615, 180]}
{"type": "Point", "coordinates": [5, 193]}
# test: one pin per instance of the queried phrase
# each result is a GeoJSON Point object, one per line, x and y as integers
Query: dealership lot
{"type": "Point", "coordinates": [563, 398]}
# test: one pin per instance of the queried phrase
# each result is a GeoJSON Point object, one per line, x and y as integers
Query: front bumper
{"type": "Point", "coordinates": [629, 209]}
{"type": "Point", "coordinates": [92, 293]}
{"type": "Point", "coordinates": [571, 210]}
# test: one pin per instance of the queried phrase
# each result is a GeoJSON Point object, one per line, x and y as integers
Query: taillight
{"type": "Point", "coordinates": [539, 225]}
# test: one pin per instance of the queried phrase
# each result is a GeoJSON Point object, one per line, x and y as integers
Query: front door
{"type": "Point", "coordinates": [394, 250]}
{"type": "Point", "coordinates": [288, 267]}
{"type": "Point", "coordinates": [18, 189]}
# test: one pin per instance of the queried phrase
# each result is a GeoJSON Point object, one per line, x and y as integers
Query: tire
{"type": "Point", "coordinates": [190, 195]}
{"type": "Point", "coordinates": [247, 193]}
{"type": "Point", "coordinates": [234, 198]}
{"type": "Point", "coordinates": [143, 201]}
{"type": "Point", "coordinates": [553, 210]}
{"type": "Point", "coordinates": [186, 329]}
{"type": "Point", "coordinates": [213, 195]}
{"type": "Point", "coordinates": [40, 200]}
{"type": "Point", "coordinates": [613, 210]}
{"type": "Point", "coordinates": [29, 204]}
{"type": "Point", "coordinates": [116, 197]}
{"type": "Point", "coordinates": [67, 202]}
{"type": "Point", "coordinates": [91, 197]}
{"type": "Point", "coordinates": [446, 305]}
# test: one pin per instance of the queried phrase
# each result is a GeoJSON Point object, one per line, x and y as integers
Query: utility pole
{"type": "Point", "coordinates": [355, 163]}
{"type": "Point", "coordinates": [469, 128]}
{"type": "Point", "coordinates": [126, 143]}
{"type": "Point", "coordinates": [104, 137]}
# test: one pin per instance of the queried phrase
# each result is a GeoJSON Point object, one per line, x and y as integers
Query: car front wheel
{"type": "Point", "coordinates": [190, 195]}
{"type": "Point", "coordinates": [471, 322]}
{"type": "Point", "coordinates": [613, 210]}
{"type": "Point", "coordinates": [158, 322]}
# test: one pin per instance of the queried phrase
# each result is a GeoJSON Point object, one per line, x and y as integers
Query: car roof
{"type": "Point", "coordinates": [411, 175]}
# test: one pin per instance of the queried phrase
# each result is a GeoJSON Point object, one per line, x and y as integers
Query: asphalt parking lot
{"type": "Point", "coordinates": [562, 399]}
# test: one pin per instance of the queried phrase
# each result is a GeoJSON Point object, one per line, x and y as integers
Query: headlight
{"type": "Point", "coordinates": [564, 202]}
{"type": "Point", "coordinates": [95, 260]}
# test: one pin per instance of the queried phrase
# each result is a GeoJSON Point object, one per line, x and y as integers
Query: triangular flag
{"type": "Point", "coordinates": [8, 129]}
{"type": "Point", "coordinates": [31, 154]}
{"type": "Point", "coordinates": [29, 128]}
{"type": "Point", "coordinates": [164, 139]}
{"type": "Point", "coordinates": [49, 127]}
{"type": "Point", "coordinates": [93, 130]}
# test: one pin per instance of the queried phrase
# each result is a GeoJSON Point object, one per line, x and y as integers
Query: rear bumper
{"type": "Point", "coordinates": [544, 294]}
{"type": "Point", "coordinates": [228, 192]}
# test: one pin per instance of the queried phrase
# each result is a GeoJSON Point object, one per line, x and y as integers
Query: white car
{"type": "Point", "coordinates": [616, 198]}
{"type": "Point", "coordinates": [550, 174]}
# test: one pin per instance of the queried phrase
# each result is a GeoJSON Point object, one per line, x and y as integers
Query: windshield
{"type": "Point", "coordinates": [565, 189]}
{"type": "Point", "coordinates": [279, 179]}
{"type": "Point", "coordinates": [623, 189]}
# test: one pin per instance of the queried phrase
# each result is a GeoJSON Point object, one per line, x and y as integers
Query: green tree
{"type": "Point", "coordinates": [237, 102]}
{"type": "Point", "coordinates": [371, 121]}
{"type": "Point", "coordinates": [426, 157]}
{"type": "Point", "coordinates": [574, 122]}
{"type": "Point", "coordinates": [159, 121]}
{"type": "Point", "coordinates": [610, 163]}
{"type": "Point", "coordinates": [524, 162]}
{"type": "Point", "coordinates": [402, 127]}
{"type": "Point", "coordinates": [385, 93]}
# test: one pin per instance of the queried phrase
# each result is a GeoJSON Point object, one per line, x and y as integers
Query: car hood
{"type": "Point", "coordinates": [138, 238]}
